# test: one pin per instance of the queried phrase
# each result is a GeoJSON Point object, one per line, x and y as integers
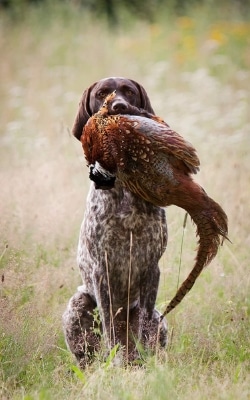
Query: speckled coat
{"type": "Point", "coordinates": [121, 241]}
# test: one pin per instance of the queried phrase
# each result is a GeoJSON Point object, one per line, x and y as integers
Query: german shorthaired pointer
{"type": "Point", "coordinates": [121, 241]}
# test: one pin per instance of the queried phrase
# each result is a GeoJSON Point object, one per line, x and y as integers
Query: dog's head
{"type": "Point", "coordinates": [128, 92]}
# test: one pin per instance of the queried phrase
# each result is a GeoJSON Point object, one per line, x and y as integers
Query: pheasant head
{"type": "Point", "coordinates": [95, 146]}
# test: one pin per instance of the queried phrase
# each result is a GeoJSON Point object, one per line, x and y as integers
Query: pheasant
{"type": "Point", "coordinates": [155, 163]}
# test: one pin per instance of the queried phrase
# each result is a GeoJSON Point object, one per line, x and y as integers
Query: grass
{"type": "Point", "coordinates": [195, 68]}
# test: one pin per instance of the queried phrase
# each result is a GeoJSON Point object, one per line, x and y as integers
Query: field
{"type": "Point", "coordinates": [196, 70]}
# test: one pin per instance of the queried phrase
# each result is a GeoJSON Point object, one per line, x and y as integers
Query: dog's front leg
{"type": "Point", "coordinates": [148, 294]}
{"type": "Point", "coordinates": [104, 303]}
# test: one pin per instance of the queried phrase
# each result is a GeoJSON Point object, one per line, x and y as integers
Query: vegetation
{"type": "Point", "coordinates": [195, 67]}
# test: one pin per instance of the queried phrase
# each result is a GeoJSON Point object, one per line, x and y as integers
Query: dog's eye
{"type": "Point", "coordinates": [102, 94]}
{"type": "Point", "coordinates": [129, 92]}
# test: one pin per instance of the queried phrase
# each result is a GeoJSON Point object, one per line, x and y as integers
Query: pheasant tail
{"type": "Point", "coordinates": [211, 223]}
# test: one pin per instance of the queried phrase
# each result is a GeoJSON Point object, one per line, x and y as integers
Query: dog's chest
{"type": "Point", "coordinates": [122, 235]}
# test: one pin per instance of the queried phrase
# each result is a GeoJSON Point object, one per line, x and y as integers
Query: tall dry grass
{"type": "Point", "coordinates": [196, 71]}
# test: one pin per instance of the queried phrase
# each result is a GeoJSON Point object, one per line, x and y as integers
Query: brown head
{"type": "Point", "coordinates": [128, 92]}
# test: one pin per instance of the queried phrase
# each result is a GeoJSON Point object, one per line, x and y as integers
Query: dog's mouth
{"type": "Point", "coordinates": [102, 178]}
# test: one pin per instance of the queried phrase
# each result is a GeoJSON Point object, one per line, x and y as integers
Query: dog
{"type": "Point", "coordinates": [122, 238]}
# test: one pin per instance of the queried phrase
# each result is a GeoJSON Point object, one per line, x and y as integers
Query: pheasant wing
{"type": "Point", "coordinates": [157, 136]}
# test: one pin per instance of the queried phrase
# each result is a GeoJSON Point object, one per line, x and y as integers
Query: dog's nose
{"type": "Point", "coordinates": [119, 106]}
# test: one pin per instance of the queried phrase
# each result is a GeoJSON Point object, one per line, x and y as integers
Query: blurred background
{"type": "Point", "coordinates": [193, 58]}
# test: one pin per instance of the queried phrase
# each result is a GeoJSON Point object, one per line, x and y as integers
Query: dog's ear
{"type": "Point", "coordinates": [83, 114]}
{"type": "Point", "coordinates": [145, 102]}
